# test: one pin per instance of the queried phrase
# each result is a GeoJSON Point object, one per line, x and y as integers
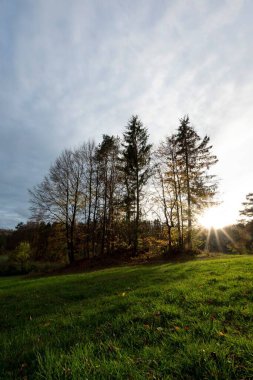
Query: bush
{"type": "Point", "coordinates": [11, 268]}
{"type": "Point", "coordinates": [22, 254]}
{"type": "Point", "coordinates": [176, 251]}
{"type": "Point", "coordinates": [18, 261]}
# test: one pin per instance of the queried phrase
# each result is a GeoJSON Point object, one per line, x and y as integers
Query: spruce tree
{"type": "Point", "coordinates": [136, 168]}
{"type": "Point", "coordinates": [106, 156]}
{"type": "Point", "coordinates": [248, 207]}
{"type": "Point", "coordinates": [194, 160]}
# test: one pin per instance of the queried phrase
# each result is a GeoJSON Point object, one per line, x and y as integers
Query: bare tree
{"type": "Point", "coordinates": [168, 189]}
{"type": "Point", "coordinates": [58, 198]}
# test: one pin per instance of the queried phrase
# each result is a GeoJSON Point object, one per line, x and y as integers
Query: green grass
{"type": "Point", "coordinates": [173, 321]}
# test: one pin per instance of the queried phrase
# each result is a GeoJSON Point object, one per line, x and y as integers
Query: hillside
{"type": "Point", "coordinates": [173, 321]}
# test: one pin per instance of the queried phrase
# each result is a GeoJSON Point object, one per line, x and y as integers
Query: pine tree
{"type": "Point", "coordinates": [194, 159]}
{"type": "Point", "coordinates": [106, 156]}
{"type": "Point", "coordinates": [136, 169]}
{"type": "Point", "coordinates": [248, 207]}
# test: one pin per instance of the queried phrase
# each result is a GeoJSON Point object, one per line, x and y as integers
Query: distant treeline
{"type": "Point", "coordinates": [124, 196]}
{"type": "Point", "coordinates": [47, 241]}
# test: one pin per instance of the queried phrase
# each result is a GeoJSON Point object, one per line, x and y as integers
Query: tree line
{"type": "Point", "coordinates": [103, 196]}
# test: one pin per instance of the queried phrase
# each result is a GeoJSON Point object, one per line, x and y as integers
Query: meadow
{"type": "Point", "coordinates": [191, 320]}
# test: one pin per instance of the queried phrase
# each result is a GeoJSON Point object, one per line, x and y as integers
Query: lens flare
{"type": "Point", "coordinates": [214, 218]}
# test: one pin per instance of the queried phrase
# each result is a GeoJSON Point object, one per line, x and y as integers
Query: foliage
{"type": "Point", "coordinates": [18, 261]}
{"type": "Point", "coordinates": [183, 183]}
{"type": "Point", "coordinates": [109, 191]}
{"type": "Point", "coordinates": [136, 170]}
{"type": "Point", "coordinates": [247, 211]}
{"type": "Point", "coordinates": [195, 159]}
{"type": "Point", "coordinates": [95, 194]}
{"type": "Point", "coordinates": [22, 253]}
{"type": "Point", "coordinates": [237, 239]}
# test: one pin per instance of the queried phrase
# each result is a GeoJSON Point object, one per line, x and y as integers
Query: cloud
{"type": "Point", "coordinates": [75, 70]}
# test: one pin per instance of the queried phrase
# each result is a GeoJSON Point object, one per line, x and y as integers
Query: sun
{"type": "Point", "coordinates": [214, 218]}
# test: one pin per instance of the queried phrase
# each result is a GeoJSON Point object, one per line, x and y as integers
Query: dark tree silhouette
{"type": "Point", "coordinates": [136, 168]}
{"type": "Point", "coordinates": [57, 198]}
{"type": "Point", "coordinates": [107, 156]}
{"type": "Point", "coordinates": [194, 159]}
{"type": "Point", "coordinates": [248, 207]}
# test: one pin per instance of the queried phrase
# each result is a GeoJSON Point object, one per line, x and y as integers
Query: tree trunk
{"type": "Point", "coordinates": [104, 216]}
{"type": "Point", "coordinates": [137, 218]}
{"type": "Point", "coordinates": [94, 227]}
{"type": "Point", "coordinates": [189, 216]}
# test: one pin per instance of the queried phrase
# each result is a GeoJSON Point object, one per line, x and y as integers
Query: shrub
{"type": "Point", "coordinates": [22, 253]}
{"type": "Point", "coordinates": [18, 262]}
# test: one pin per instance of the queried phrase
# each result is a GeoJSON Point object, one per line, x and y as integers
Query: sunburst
{"type": "Point", "coordinates": [212, 220]}
{"type": "Point", "coordinates": [215, 218]}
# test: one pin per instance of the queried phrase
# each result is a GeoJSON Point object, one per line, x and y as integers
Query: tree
{"type": "Point", "coordinates": [136, 169]}
{"type": "Point", "coordinates": [22, 254]}
{"type": "Point", "coordinates": [89, 189]}
{"type": "Point", "coordinates": [58, 197]}
{"type": "Point", "coordinates": [248, 207]}
{"type": "Point", "coordinates": [107, 155]}
{"type": "Point", "coordinates": [168, 188]}
{"type": "Point", "coordinates": [194, 160]}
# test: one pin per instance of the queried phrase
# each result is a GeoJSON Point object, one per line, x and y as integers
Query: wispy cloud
{"type": "Point", "coordinates": [74, 70]}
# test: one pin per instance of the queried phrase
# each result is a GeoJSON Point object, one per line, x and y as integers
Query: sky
{"type": "Point", "coordinates": [74, 70]}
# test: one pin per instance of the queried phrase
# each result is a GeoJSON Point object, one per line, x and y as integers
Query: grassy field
{"type": "Point", "coordinates": [190, 320]}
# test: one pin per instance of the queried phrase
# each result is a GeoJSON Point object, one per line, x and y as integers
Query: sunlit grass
{"type": "Point", "coordinates": [171, 321]}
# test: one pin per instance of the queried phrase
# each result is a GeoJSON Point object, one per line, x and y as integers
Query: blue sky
{"type": "Point", "coordinates": [73, 70]}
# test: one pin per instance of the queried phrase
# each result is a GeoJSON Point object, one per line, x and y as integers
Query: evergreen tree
{"type": "Point", "coordinates": [194, 160]}
{"type": "Point", "coordinates": [107, 154]}
{"type": "Point", "coordinates": [136, 169]}
{"type": "Point", "coordinates": [248, 207]}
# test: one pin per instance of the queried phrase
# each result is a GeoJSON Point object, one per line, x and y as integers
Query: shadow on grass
{"type": "Point", "coordinates": [59, 312]}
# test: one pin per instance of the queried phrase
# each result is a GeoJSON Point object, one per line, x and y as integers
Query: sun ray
{"type": "Point", "coordinates": [228, 236]}
{"type": "Point", "coordinates": [217, 239]}
{"type": "Point", "coordinates": [213, 221]}
{"type": "Point", "coordinates": [208, 239]}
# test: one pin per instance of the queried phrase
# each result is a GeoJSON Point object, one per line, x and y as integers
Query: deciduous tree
{"type": "Point", "coordinates": [58, 197]}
